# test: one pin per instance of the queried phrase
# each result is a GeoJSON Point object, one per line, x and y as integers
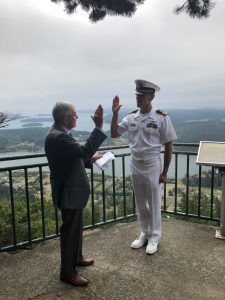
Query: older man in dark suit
{"type": "Point", "coordinates": [70, 187]}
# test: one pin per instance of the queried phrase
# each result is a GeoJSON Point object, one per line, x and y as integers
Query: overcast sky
{"type": "Point", "coordinates": [47, 56]}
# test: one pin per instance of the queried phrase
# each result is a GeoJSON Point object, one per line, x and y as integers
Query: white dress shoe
{"type": "Point", "coordinates": [151, 247]}
{"type": "Point", "coordinates": [139, 242]}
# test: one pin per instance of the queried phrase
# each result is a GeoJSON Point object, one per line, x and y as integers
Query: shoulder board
{"type": "Point", "coordinates": [164, 113]}
{"type": "Point", "coordinates": [133, 112]}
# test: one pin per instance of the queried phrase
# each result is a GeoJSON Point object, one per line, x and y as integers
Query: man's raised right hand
{"type": "Point", "coordinates": [98, 117]}
{"type": "Point", "coordinates": [116, 104]}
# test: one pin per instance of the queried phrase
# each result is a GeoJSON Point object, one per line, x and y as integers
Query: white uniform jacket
{"type": "Point", "coordinates": [147, 133]}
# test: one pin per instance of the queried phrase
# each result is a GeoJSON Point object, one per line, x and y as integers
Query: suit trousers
{"type": "Point", "coordinates": [147, 189]}
{"type": "Point", "coordinates": [71, 240]}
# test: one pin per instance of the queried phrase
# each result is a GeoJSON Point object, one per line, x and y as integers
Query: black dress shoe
{"type": "Point", "coordinates": [75, 280]}
{"type": "Point", "coordinates": [85, 262]}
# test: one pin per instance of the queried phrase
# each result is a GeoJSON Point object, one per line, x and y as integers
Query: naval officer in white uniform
{"type": "Point", "coordinates": [148, 129]}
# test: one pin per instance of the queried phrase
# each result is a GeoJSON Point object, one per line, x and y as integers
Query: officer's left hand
{"type": "Point", "coordinates": [162, 178]}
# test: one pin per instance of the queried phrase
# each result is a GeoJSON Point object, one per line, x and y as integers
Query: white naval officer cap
{"type": "Point", "coordinates": [145, 87]}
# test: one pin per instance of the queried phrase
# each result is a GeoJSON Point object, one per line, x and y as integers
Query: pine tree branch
{"type": "Point", "coordinates": [98, 9]}
{"type": "Point", "coordinates": [196, 8]}
{"type": "Point", "coordinates": [5, 118]}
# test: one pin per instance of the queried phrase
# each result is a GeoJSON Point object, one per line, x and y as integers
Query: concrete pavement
{"type": "Point", "coordinates": [189, 265]}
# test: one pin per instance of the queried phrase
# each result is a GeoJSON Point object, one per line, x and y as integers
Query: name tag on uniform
{"type": "Point", "coordinates": [133, 127]}
{"type": "Point", "coordinates": [151, 125]}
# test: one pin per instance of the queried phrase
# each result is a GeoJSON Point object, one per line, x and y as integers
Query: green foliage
{"type": "Point", "coordinates": [21, 221]}
{"type": "Point", "coordinates": [4, 192]}
{"type": "Point", "coordinates": [5, 223]}
{"type": "Point", "coordinates": [196, 8]}
{"type": "Point", "coordinates": [33, 211]}
{"type": "Point", "coordinates": [98, 9]}
{"type": "Point", "coordinates": [121, 196]}
{"type": "Point", "coordinates": [32, 139]}
{"type": "Point", "coordinates": [5, 118]}
{"type": "Point", "coordinates": [22, 139]}
{"type": "Point", "coordinates": [203, 207]}
{"type": "Point", "coordinates": [189, 125]}
{"type": "Point", "coordinates": [194, 132]}
{"type": "Point", "coordinates": [206, 180]}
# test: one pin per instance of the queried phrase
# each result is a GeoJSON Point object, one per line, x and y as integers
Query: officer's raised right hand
{"type": "Point", "coordinates": [116, 104]}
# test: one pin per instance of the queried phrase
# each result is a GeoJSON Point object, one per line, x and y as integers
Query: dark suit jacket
{"type": "Point", "coordinates": [67, 161]}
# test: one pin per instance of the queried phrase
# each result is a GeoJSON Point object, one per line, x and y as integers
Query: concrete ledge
{"type": "Point", "coordinates": [190, 264]}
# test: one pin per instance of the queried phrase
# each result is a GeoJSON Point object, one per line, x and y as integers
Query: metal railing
{"type": "Point", "coordinates": [27, 214]}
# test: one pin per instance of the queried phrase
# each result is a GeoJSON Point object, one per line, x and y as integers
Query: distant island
{"type": "Point", "coordinates": [32, 124]}
{"type": "Point", "coordinates": [191, 125]}
{"type": "Point", "coordinates": [30, 120]}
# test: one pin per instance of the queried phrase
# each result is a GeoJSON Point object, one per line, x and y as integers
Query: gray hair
{"type": "Point", "coordinates": [61, 110]}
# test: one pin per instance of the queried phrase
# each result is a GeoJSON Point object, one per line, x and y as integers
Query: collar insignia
{"type": "Point", "coordinates": [163, 113]}
{"type": "Point", "coordinates": [133, 112]}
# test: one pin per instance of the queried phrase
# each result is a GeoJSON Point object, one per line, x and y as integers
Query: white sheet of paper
{"type": "Point", "coordinates": [103, 162]}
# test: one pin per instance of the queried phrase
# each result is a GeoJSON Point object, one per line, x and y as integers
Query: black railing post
{"type": "Point", "coordinates": [134, 203]}
{"type": "Point", "coordinates": [28, 204]}
{"type": "Point", "coordinates": [114, 190]}
{"type": "Point", "coordinates": [92, 197]}
{"type": "Point", "coordinates": [164, 197]}
{"type": "Point", "coordinates": [212, 193]}
{"type": "Point", "coordinates": [49, 216]}
{"type": "Point", "coordinates": [56, 220]}
{"type": "Point", "coordinates": [103, 195]}
{"type": "Point", "coordinates": [42, 202]}
{"type": "Point", "coordinates": [199, 189]}
{"type": "Point", "coordinates": [124, 187]}
{"type": "Point", "coordinates": [187, 185]}
{"type": "Point", "coordinates": [12, 208]}
{"type": "Point", "coordinates": [175, 187]}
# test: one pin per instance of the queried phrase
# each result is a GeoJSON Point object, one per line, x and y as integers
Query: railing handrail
{"type": "Point", "coordinates": [118, 200]}
{"type": "Point", "coordinates": [100, 149]}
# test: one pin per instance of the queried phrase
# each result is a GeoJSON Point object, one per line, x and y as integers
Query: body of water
{"type": "Point", "coordinates": [182, 163]}
{"type": "Point", "coordinates": [85, 123]}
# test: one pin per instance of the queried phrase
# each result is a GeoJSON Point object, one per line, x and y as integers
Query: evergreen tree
{"type": "Point", "coordinates": [5, 118]}
{"type": "Point", "coordinates": [98, 9]}
{"type": "Point", "coordinates": [205, 204]}
{"type": "Point", "coordinates": [196, 8]}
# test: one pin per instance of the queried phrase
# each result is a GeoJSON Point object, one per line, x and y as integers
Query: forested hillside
{"type": "Point", "coordinates": [191, 125]}
{"type": "Point", "coordinates": [32, 139]}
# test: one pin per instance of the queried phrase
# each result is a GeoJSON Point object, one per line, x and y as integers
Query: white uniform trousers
{"type": "Point", "coordinates": [147, 189]}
